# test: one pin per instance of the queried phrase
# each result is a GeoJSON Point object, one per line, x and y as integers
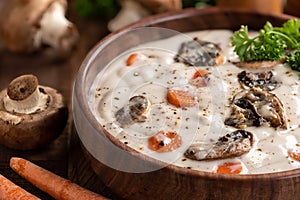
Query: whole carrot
{"type": "Point", "coordinates": [10, 191]}
{"type": "Point", "coordinates": [54, 185]}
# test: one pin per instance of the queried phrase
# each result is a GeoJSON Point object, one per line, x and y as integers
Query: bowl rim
{"type": "Point", "coordinates": [150, 22]}
{"type": "Point", "coordinates": [189, 12]}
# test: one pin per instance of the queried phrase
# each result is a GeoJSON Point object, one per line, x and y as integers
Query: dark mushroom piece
{"type": "Point", "coordinates": [231, 145]}
{"type": "Point", "coordinates": [255, 108]}
{"type": "Point", "coordinates": [244, 114]}
{"type": "Point", "coordinates": [134, 111]}
{"type": "Point", "coordinates": [31, 115]}
{"type": "Point", "coordinates": [264, 80]}
{"type": "Point", "coordinates": [200, 53]}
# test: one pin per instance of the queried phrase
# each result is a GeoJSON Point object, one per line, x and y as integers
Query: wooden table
{"type": "Point", "coordinates": [64, 156]}
{"type": "Point", "coordinates": [58, 157]}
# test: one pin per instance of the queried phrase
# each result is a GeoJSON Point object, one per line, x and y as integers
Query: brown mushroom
{"type": "Point", "coordinates": [134, 111]}
{"type": "Point", "coordinates": [231, 145]}
{"type": "Point", "coordinates": [27, 26]}
{"type": "Point", "coordinates": [31, 115]}
{"type": "Point", "coordinates": [264, 80]}
{"type": "Point", "coordinates": [198, 52]}
{"type": "Point", "coordinates": [256, 107]}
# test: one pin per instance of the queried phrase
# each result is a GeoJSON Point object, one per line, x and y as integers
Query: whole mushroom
{"type": "Point", "coordinates": [28, 25]}
{"type": "Point", "coordinates": [134, 10]}
{"type": "Point", "coordinates": [31, 115]}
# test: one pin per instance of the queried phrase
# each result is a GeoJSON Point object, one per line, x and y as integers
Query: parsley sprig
{"type": "Point", "coordinates": [272, 43]}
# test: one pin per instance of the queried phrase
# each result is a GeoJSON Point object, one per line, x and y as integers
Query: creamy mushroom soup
{"type": "Point", "coordinates": [189, 105]}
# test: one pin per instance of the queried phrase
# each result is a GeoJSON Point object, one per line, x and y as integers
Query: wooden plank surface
{"type": "Point", "coordinates": [81, 172]}
{"type": "Point", "coordinates": [59, 75]}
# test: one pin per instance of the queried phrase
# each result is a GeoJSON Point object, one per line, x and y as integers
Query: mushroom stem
{"type": "Point", "coordinates": [23, 96]}
{"type": "Point", "coordinates": [36, 101]}
{"type": "Point", "coordinates": [130, 12]}
{"type": "Point", "coordinates": [26, 26]}
{"type": "Point", "coordinates": [134, 10]}
{"type": "Point", "coordinates": [56, 31]}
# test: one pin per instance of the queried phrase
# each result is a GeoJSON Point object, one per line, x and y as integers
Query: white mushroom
{"type": "Point", "coordinates": [130, 12]}
{"type": "Point", "coordinates": [134, 10]}
{"type": "Point", "coordinates": [26, 26]}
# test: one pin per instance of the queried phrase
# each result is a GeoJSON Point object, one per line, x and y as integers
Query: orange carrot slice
{"type": "Point", "coordinates": [181, 98]}
{"type": "Point", "coordinates": [229, 168]}
{"type": "Point", "coordinates": [200, 73]}
{"type": "Point", "coordinates": [54, 185]}
{"type": "Point", "coordinates": [132, 58]}
{"type": "Point", "coordinates": [294, 153]}
{"type": "Point", "coordinates": [9, 190]}
{"type": "Point", "coordinates": [199, 79]}
{"type": "Point", "coordinates": [164, 141]}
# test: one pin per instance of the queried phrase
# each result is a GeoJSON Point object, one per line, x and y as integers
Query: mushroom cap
{"type": "Point", "coordinates": [19, 22]}
{"type": "Point", "coordinates": [30, 131]}
{"type": "Point", "coordinates": [22, 87]}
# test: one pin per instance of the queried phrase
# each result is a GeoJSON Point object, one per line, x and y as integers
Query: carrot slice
{"type": "Point", "coordinates": [229, 168]}
{"type": "Point", "coordinates": [200, 73]}
{"type": "Point", "coordinates": [181, 98]}
{"type": "Point", "coordinates": [294, 153]}
{"type": "Point", "coordinates": [54, 185]}
{"type": "Point", "coordinates": [131, 59]}
{"type": "Point", "coordinates": [199, 78]}
{"type": "Point", "coordinates": [164, 141]}
{"type": "Point", "coordinates": [9, 190]}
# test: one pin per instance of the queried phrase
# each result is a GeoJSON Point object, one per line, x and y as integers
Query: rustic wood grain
{"type": "Point", "coordinates": [82, 173]}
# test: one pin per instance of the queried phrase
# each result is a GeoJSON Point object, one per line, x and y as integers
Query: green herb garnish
{"type": "Point", "coordinates": [198, 3]}
{"type": "Point", "coordinates": [94, 8]}
{"type": "Point", "coordinates": [294, 60]}
{"type": "Point", "coordinates": [272, 43]}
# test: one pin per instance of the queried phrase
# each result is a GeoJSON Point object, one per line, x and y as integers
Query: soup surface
{"type": "Point", "coordinates": [216, 112]}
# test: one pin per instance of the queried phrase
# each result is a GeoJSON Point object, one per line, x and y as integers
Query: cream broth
{"type": "Point", "coordinates": [157, 71]}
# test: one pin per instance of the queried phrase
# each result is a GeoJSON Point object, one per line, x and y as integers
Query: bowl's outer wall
{"type": "Point", "coordinates": [213, 18]}
{"type": "Point", "coordinates": [173, 183]}
{"type": "Point", "coordinates": [169, 184]}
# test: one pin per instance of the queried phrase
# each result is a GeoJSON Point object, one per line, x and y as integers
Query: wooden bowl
{"type": "Point", "coordinates": [132, 175]}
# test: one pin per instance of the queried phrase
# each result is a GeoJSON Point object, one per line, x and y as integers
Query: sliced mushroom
{"type": "Point", "coordinates": [264, 80]}
{"type": "Point", "coordinates": [199, 53]}
{"type": "Point", "coordinates": [27, 26]}
{"type": "Point", "coordinates": [31, 115]}
{"type": "Point", "coordinates": [134, 111]}
{"type": "Point", "coordinates": [244, 114]}
{"type": "Point", "coordinates": [231, 145]}
{"type": "Point", "coordinates": [256, 107]}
